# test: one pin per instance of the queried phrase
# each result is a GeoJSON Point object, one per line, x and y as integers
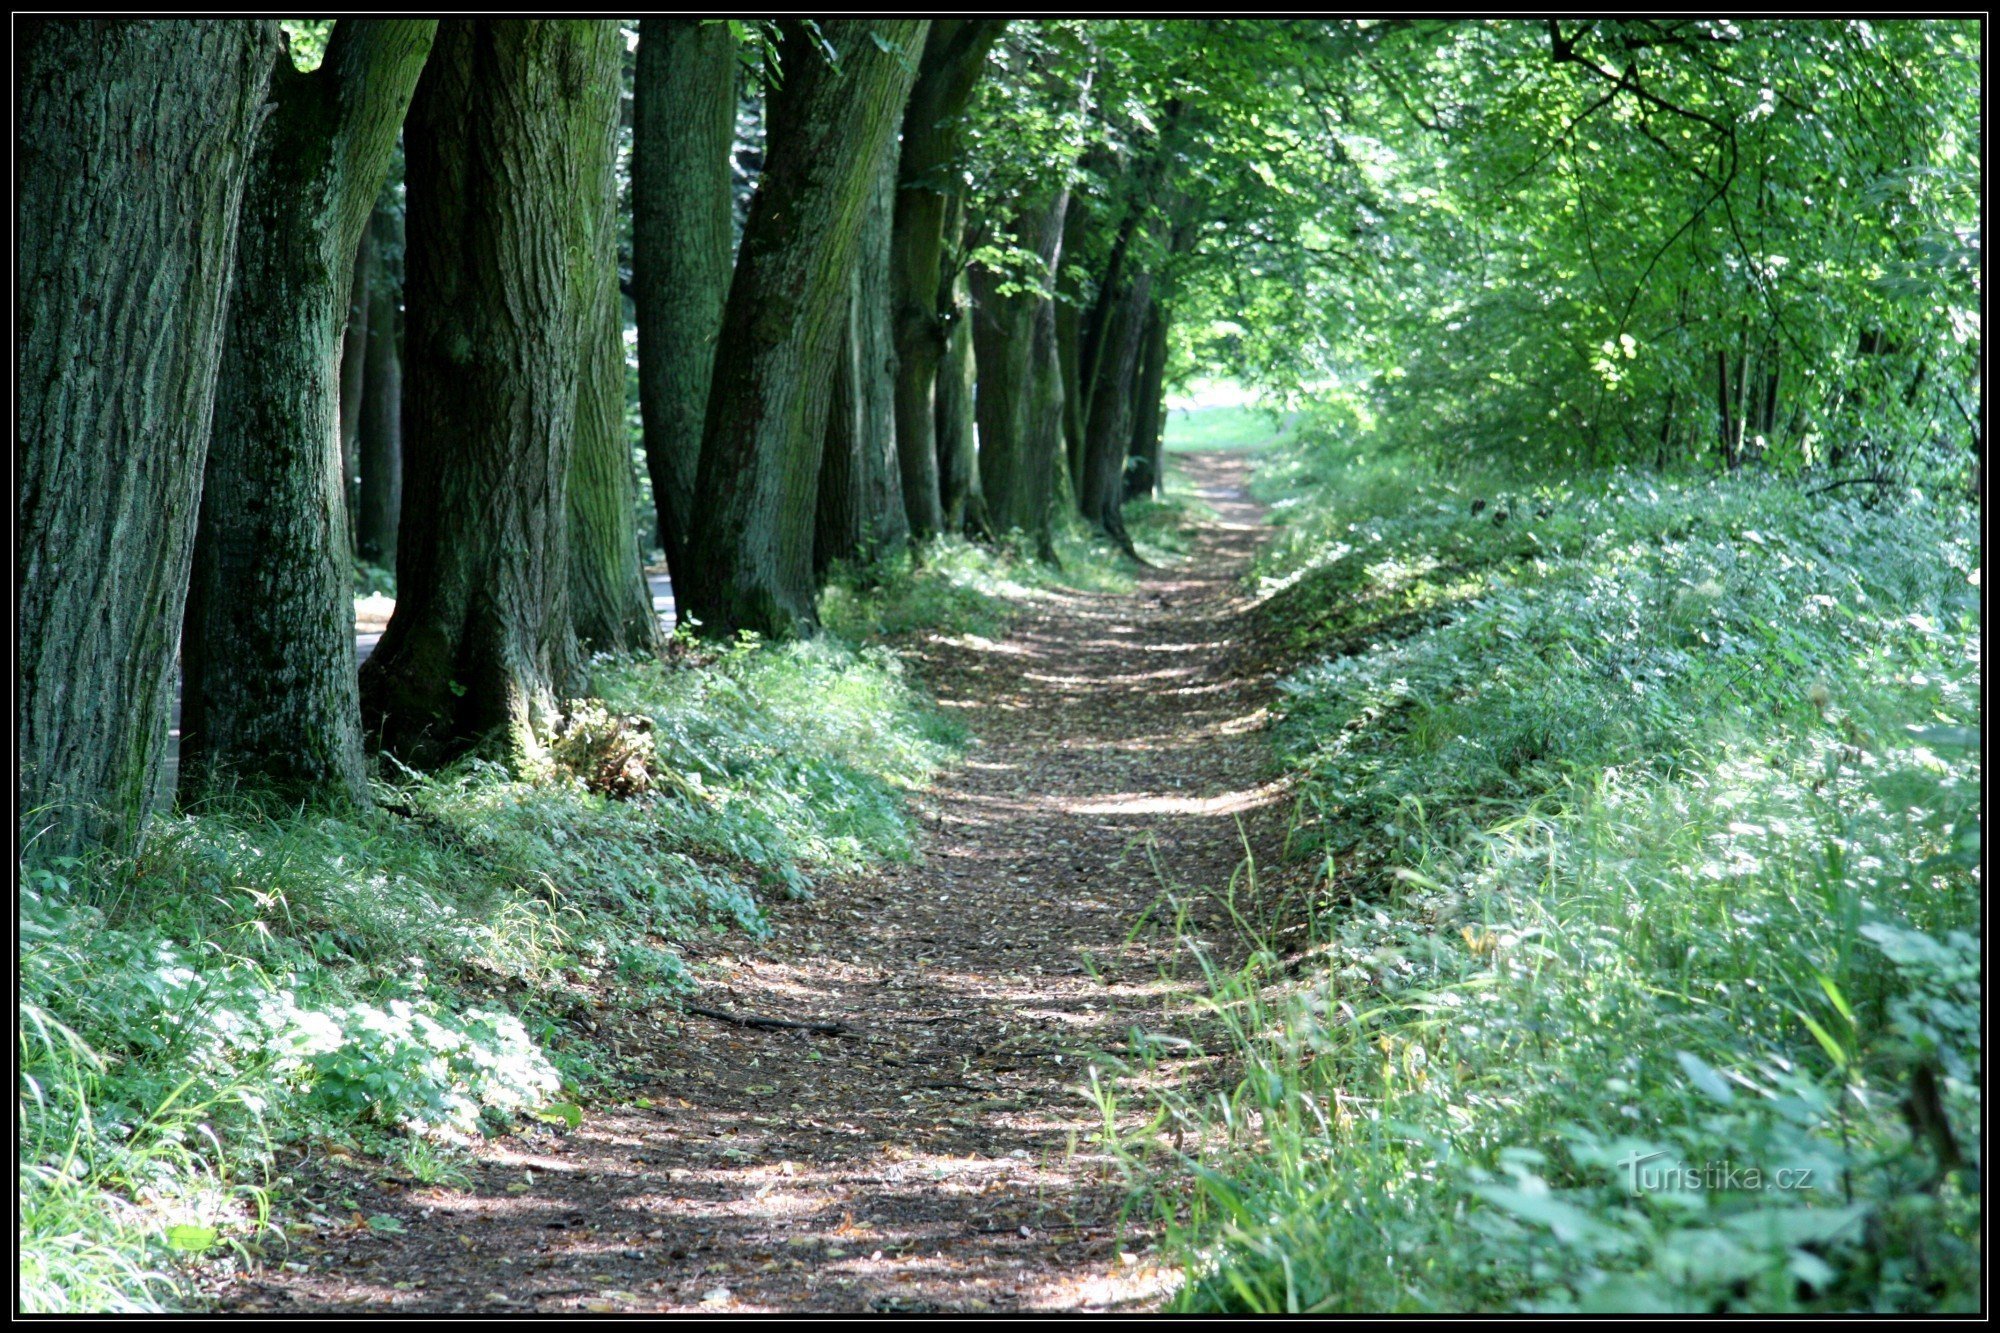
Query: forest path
{"type": "Point", "coordinates": [938, 1156]}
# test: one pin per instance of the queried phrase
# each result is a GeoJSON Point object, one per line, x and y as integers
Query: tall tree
{"type": "Point", "coordinates": [684, 122]}
{"type": "Point", "coordinates": [933, 131]}
{"type": "Point", "coordinates": [1143, 474]}
{"type": "Point", "coordinates": [133, 143]}
{"type": "Point", "coordinates": [1108, 428]}
{"type": "Point", "coordinates": [267, 653]}
{"type": "Point", "coordinates": [844, 86]}
{"type": "Point", "coordinates": [1020, 409]}
{"type": "Point", "coordinates": [610, 603]}
{"type": "Point", "coordinates": [354, 368]}
{"type": "Point", "coordinates": [381, 427]}
{"type": "Point", "coordinates": [860, 507]}
{"type": "Point", "coordinates": [958, 455]}
{"type": "Point", "coordinates": [1079, 223]}
{"type": "Point", "coordinates": [505, 135]}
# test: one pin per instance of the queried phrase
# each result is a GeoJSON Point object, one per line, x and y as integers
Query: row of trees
{"type": "Point", "coordinates": [203, 263]}
{"type": "Point", "coordinates": [890, 278]}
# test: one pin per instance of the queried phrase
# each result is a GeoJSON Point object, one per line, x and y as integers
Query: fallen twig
{"type": "Point", "coordinates": [758, 1021]}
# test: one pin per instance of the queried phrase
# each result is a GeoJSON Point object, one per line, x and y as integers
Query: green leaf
{"type": "Point", "coordinates": [1569, 1223]}
{"type": "Point", "coordinates": [1703, 1076]}
{"type": "Point", "coordinates": [1825, 1039]}
{"type": "Point", "coordinates": [191, 1239]}
{"type": "Point", "coordinates": [568, 1113]}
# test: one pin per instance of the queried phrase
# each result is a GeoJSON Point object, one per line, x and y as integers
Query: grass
{"type": "Point", "coordinates": [262, 983]}
{"type": "Point", "coordinates": [960, 586]}
{"type": "Point", "coordinates": [1227, 427]}
{"type": "Point", "coordinates": [1641, 841]}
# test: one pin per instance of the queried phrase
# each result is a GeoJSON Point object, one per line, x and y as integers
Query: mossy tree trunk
{"type": "Point", "coordinates": [1070, 315]}
{"type": "Point", "coordinates": [933, 131]}
{"type": "Point", "coordinates": [684, 124]}
{"type": "Point", "coordinates": [501, 275]}
{"type": "Point", "coordinates": [267, 654]}
{"type": "Point", "coordinates": [381, 427]}
{"type": "Point", "coordinates": [1019, 411]}
{"type": "Point", "coordinates": [860, 506]}
{"type": "Point", "coordinates": [752, 553]}
{"type": "Point", "coordinates": [957, 441]}
{"type": "Point", "coordinates": [354, 369]}
{"type": "Point", "coordinates": [610, 603]}
{"type": "Point", "coordinates": [133, 143]}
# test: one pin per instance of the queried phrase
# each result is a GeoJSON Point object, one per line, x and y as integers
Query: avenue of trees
{"type": "Point", "coordinates": [293, 297]}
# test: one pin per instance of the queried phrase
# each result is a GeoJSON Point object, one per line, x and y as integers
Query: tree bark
{"type": "Point", "coordinates": [1726, 432]}
{"type": "Point", "coordinates": [1144, 479]}
{"type": "Point", "coordinates": [133, 143]}
{"type": "Point", "coordinates": [353, 371]}
{"type": "Point", "coordinates": [860, 484]}
{"type": "Point", "coordinates": [768, 399]}
{"type": "Point", "coordinates": [1108, 433]}
{"type": "Point", "coordinates": [267, 654]}
{"type": "Point", "coordinates": [1043, 429]}
{"type": "Point", "coordinates": [1020, 416]}
{"type": "Point", "coordinates": [505, 134]}
{"type": "Point", "coordinates": [610, 601]}
{"type": "Point", "coordinates": [1069, 334]}
{"type": "Point", "coordinates": [684, 123]}
{"type": "Point", "coordinates": [957, 441]}
{"type": "Point", "coordinates": [381, 442]}
{"type": "Point", "coordinates": [933, 131]}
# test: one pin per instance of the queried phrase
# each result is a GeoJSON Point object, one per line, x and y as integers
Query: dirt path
{"type": "Point", "coordinates": [939, 1156]}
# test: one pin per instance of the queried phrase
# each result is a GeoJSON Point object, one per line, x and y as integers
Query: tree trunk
{"type": "Point", "coordinates": [933, 130]}
{"type": "Point", "coordinates": [684, 122]}
{"type": "Point", "coordinates": [1069, 330]}
{"type": "Point", "coordinates": [133, 143]}
{"type": "Point", "coordinates": [610, 602]}
{"type": "Point", "coordinates": [860, 485]}
{"type": "Point", "coordinates": [1017, 419]}
{"type": "Point", "coordinates": [957, 441]}
{"type": "Point", "coordinates": [1043, 428]}
{"type": "Point", "coordinates": [1144, 477]}
{"type": "Point", "coordinates": [505, 135]}
{"type": "Point", "coordinates": [1108, 433]}
{"type": "Point", "coordinates": [381, 443]}
{"type": "Point", "coordinates": [267, 653]}
{"type": "Point", "coordinates": [353, 371]}
{"type": "Point", "coordinates": [1727, 434]}
{"type": "Point", "coordinates": [767, 404]}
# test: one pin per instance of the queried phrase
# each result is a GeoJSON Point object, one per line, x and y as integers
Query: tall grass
{"type": "Point", "coordinates": [1641, 967]}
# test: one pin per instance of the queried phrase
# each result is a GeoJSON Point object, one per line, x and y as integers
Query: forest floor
{"type": "Point", "coordinates": [938, 1153]}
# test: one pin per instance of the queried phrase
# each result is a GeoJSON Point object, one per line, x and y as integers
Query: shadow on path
{"type": "Point", "coordinates": [939, 1155]}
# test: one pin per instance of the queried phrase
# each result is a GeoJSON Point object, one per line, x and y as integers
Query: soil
{"type": "Point", "coordinates": [940, 1153]}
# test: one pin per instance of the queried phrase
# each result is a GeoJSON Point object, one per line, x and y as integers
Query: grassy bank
{"type": "Point", "coordinates": [263, 986]}
{"type": "Point", "coordinates": [1639, 968]}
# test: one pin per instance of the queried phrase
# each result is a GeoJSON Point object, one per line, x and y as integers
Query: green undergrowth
{"type": "Point", "coordinates": [1637, 968]}
{"type": "Point", "coordinates": [398, 982]}
{"type": "Point", "coordinates": [953, 585]}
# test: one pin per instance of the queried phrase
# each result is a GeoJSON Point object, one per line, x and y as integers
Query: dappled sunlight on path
{"type": "Point", "coordinates": [939, 1154]}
